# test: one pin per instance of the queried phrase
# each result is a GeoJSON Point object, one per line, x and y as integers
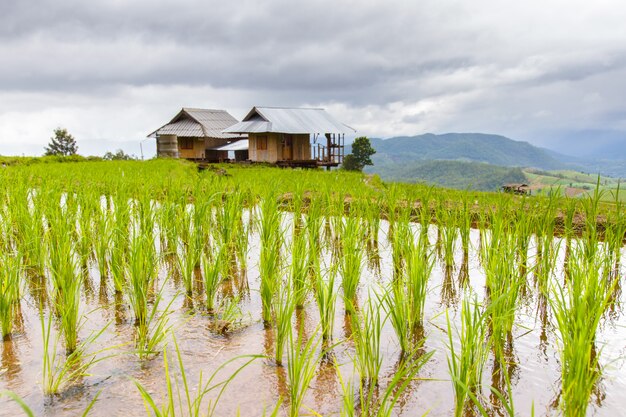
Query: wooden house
{"type": "Point", "coordinates": [293, 136]}
{"type": "Point", "coordinates": [196, 134]}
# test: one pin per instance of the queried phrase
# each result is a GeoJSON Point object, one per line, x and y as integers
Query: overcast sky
{"type": "Point", "coordinates": [112, 71]}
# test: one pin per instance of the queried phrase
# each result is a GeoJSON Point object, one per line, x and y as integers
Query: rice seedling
{"type": "Point", "coordinates": [371, 403]}
{"type": "Point", "coordinates": [302, 359]}
{"type": "Point", "coordinates": [299, 270]}
{"type": "Point", "coordinates": [420, 264]}
{"type": "Point", "coordinates": [466, 363]}
{"type": "Point", "coordinates": [351, 262]}
{"type": "Point", "coordinates": [59, 372]}
{"type": "Point", "coordinates": [270, 260]}
{"type": "Point", "coordinates": [103, 237]}
{"type": "Point", "coordinates": [367, 327]}
{"type": "Point", "coordinates": [401, 238]}
{"type": "Point", "coordinates": [446, 219]}
{"type": "Point", "coordinates": [10, 291]}
{"type": "Point", "coordinates": [283, 312]}
{"type": "Point", "coordinates": [578, 306]}
{"type": "Point", "coordinates": [503, 284]}
{"type": "Point", "coordinates": [151, 324]}
{"type": "Point", "coordinates": [179, 400]}
{"type": "Point", "coordinates": [13, 396]}
{"type": "Point", "coordinates": [212, 272]}
{"type": "Point", "coordinates": [67, 284]}
{"type": "Point", "coordinates": [325, 298]}
{"type": "Point", "coordinates": [228, 316]}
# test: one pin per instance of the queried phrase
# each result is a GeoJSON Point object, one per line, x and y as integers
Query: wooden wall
{"type": "Point", "coordinates": [275, 151]}
{"type": "Point", "coordinates": [196, 153]}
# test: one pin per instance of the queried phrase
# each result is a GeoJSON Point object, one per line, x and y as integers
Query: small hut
{"type": "Point", "coordinates": [293, 136]}
{"type": "Point", "coordinates": [196, 134]}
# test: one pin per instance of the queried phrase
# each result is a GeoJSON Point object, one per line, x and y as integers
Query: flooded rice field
{"type": "Point", "coordinates": [532, 369]}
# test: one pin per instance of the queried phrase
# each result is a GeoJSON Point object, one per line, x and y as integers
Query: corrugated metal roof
{"type": "Point", "coordinates": [190, 122]}
{"type": "Point", "coordinates": [182, 128]}
{"type": "Point", "coordinates": [239, 145]}
{"type": "Point", "coordinates": [289, 120]}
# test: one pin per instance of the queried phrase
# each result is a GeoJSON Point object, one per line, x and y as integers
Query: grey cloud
{"type": "Point", "coordinates": [518, 69]}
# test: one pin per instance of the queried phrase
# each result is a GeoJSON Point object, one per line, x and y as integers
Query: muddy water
{"type": "Point", "coordinates": [534, 367]}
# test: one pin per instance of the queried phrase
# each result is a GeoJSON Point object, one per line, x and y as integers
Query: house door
{"type": "Point", "coordinates": [287, 148]}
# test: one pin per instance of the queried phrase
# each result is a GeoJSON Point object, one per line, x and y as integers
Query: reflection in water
{"type": "Point", "coordinates": [347, 326]}
{"type": "Point", "coordinates": [198, 280]}
{"type": "Point", "coordinates": [103, 294]}
{"type": "Point", "coordinates": [301, 325]}
{"type": "Point", "coordinates": [542, 313]}
{"type": "Point", "coordinates": [615, 307]}
{"type": "Point", "coordinates": [373, 255]}
{"type": "Point", "coordinates": [504, 375]}
{"type": "Point", "coordinates": [449, 294]}
{"type": "Point", "coordinates": [464, 272]}
{"type": "Point", "coordinates": [11, 365]}
{"type": "Point", "coordinates": [120, 315]}
{"type": "Point", "coordinates": [326, 387]}
{"type": "Point", "coordinates": [87, 283]}
{"type": "Point", "coordinates": [37, 288]}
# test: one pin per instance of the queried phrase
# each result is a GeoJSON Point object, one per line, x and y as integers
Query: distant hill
{"type": "Point", "coordinates": [452, 174]}
{"type": "Point", "coordinates": [469, 147]}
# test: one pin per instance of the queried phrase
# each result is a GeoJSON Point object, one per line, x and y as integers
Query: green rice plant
{"type": "Point", "coordinates": [66, 281]}
{"type": "Point", "coordinates": [60, 372]}
{"type": "Point", "coordinates": [230, 229]}
{"type": "Point", "coordinates": [351, 262]}
{"type": "Point", "coordinates": [13, 396]}
{"type": "Point", "coordinates": [302, 360]}
{"type": "Point", "coordinates": [10, 291]}
{"type": "Point", "coordinates": [84, 242]}
{"type": "Point", "coordinates": [188, 257]}
{"type": "Point", "coordinates": [396, 304]}
{"type": "Point", "coordinates": [312, 227]}
{"type": "Point", "coordinates": [180, 398]}
{"type": "Point", "coordinates": [401, 237]}
{"type": "Point", "coordinates": [373, 404]}
{"type": "Point", "coordinates": [366, 331]}
{"type": "Point", "coordinates": [420, 263]}
{"type": "Point", "coordinates": [120, 240]}
{"type": "Point", "coordinates": [228, 316]}
{"type": "Point", "coordinates": [577, 306]}
{"type": "Point", "coordinates": [270, 259]}
{"type": "Point", "coordinates": [447, 221]}
{"type": "Point", "coordinates": [102, 237]}
{"type": "Point", "coordinates": [464, 223]}
{"type": "Point", "coordinates": [168, 223]}
{"type": "Point", "coordinates": [142, 271]}
{"type": "Point", "coordinates": [212, 273]}
{"type": "Point", "coordinates": [325, 297]}
{"type": "Point", "coordinates": [152, 324]}
{"type": "Point", "coordinates": [152, 334]}
{"type": "Point", "coordinates": [503, 283]}
{"type": "Point", "coordinates": [466, 363]}
{"type": "Point", "coordinates": [283, 313]}
{"type": "Point", "coordinates": [299, 269]}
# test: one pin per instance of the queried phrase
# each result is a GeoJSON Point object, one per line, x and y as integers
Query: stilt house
{"type": "Point", "coordinates": [293, 136]}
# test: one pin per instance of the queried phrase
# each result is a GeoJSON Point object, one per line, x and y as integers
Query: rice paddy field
{"type": "Point", "coordinates": [150, 288]}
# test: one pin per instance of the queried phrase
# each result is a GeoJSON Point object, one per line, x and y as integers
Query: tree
{"type": "Point", "coordinates": [119, 155]}
{"type": "Point", "coordinates": [360, 157]}
{"type": "Point", "coordinates": [61, 144]}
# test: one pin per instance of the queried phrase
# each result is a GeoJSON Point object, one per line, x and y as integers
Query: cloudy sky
{"type": "Point", "coordinates": [550, 72]}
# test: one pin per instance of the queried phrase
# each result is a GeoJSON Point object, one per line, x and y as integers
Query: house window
{"type": "Point", "coordinates": [261, 143]}
{"type": "Point", "coordinates": [185, 143]}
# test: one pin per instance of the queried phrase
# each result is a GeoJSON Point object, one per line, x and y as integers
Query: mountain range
{"type": "Point", "coordinates": [474, 160]}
